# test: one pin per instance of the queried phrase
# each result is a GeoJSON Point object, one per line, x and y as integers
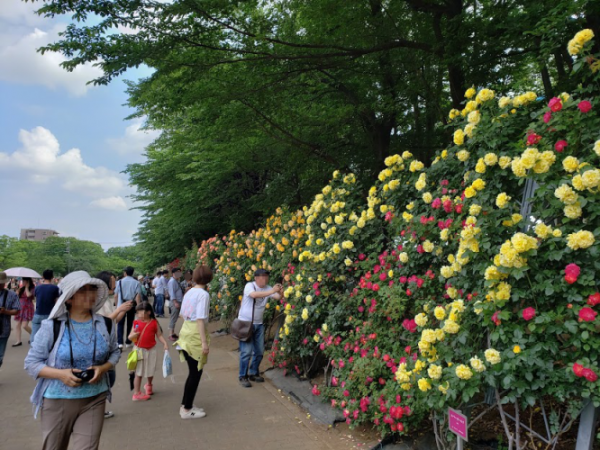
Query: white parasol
{"type": "Point", "coordinates": [22, 272]}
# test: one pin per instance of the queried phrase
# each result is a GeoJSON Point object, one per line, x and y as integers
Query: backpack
{"type": "Point", "coordinates": [56, 327]}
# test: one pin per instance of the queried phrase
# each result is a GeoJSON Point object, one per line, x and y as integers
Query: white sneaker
{"type": "Point", "coordinates": [127, 345]}
{"type": "Point", "coordinates": [193, 413]}
{"type": "Point", "coordinates": [181, 409]}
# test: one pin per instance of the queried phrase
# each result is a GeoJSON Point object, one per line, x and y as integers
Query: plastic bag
{"type": "Point", "coordinates": [167, 365]}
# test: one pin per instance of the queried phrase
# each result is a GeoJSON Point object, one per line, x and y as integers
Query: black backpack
{"type": "Point", "coordinates": [56, 326]}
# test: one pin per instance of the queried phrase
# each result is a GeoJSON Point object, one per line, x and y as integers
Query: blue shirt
{"type": "Point", "coordinates": [45, 297]}
{"type": "Point", "coordinates": [9, 300]}
{"type": "Point", "coordinates": [130, 287]}
{"type": "Point", "coordinates": [175, 292]}
{"type": "Point", "coordinates": [83, 358]}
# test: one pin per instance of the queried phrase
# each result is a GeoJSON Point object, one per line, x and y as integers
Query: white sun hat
{"type": "Point", "coordinates": [71, 284]}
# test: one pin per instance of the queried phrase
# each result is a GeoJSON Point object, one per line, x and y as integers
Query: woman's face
{"type": "Point", "coordinates": [113, 283]}
{"type": "Point", "coordinates": [85, 297]}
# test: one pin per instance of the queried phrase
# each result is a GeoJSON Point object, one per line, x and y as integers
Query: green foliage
{"type": "Point", "coordinates": [64, 255]}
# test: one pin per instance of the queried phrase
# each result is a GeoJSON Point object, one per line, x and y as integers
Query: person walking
{"type": "Point", "coordinates": [9, 306]}
{"type": "Point", "coordinates": [70, 357]}
{"type": "Point", "coordinates": [116, 315]}
{"type": "Point", "coordinates": [26, 297]}
{"type": "Point", "coordinates": [127, 289]}
{"type": "Point", "coordinates": [158, 284]}
{"type": "Point", "coordinates": [146, 331]}
{"type": "Point", "coordinates": [256, 295]}
{"type": "Point", "coordinates": [187, 282]}
{"type": "Point", "coordinates": [194, 339]}
{"type": "Point", "coordinates": [176, 297]}
{"type": "Point", "coordinates": [46, 295]}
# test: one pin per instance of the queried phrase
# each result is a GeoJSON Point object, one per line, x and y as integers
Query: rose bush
{"type": "Point", "coordinates": [474, 275]}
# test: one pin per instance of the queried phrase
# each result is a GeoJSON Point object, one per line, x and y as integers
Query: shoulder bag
{"type": "Point", "coordinates": [135, 354]}
{"type": "Point", "coordinates": [242, 329]}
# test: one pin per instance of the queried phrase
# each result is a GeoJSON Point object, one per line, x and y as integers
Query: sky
{"type": "Point", "coordinates": [63, 143]}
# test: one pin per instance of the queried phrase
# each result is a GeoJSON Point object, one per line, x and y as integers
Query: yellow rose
{"type": "Point", "coordinates": [470, 192]}
{"type": "Point", "coordinates": [504, 102]}
{"type": "Point", "coordinates": [570, 164]}
{"type": "Point", "coordinates": [427, 197]}
{"type": "Point", "coordinates": [516, 349]}
{"type": "Point", "coordinates": [580, 239]}
{"type": "Point", "coordinates": [451, 327]}
{"type": "Point", "coordinates": [492, 356]}
{"type": "Point", "coordinates": [424, 385]}
{"type": "Point", "coordinates": [403, 257]}
{"type": "Point", "coordinates": [479, 184]}
{"type": "Point", "coordinates": [474, 117]}
{"type": "Point", "coordinates": [434, 371]}
{"type": "Point", "coordinates": [484, 95]}
{"type": "Point", "coordinates": [477, 364]}
{"type": "Point", "coordinates": [480, 166]}
{"type": "Point", "coordinates": [502, 200]}
{"type": "Point", "coordinates": [470, 93]}
{"type": "Point", "coordinates": [421, 319]}
{"type": "Point", "coordinates": [347, 245]}
{"type": "Point", "coordinates": [439, 313]}
{"type": "Point", "coordinates": [463, 372]}
{"type": "Point", "coordinates": [459, 137]}
{"type": "Point", "coordinates": [428, 246]}
{"type": "Point", "coordinates": [597, 147]}
{"type": "Point", "coordinates": [573, 211]}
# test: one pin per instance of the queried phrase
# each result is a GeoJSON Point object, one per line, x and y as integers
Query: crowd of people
{"type": "Point", "coordinates": [81, 325]}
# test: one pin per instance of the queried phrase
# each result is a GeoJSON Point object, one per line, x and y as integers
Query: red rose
{"type": "Point", "coordinates": [585, 106]}
{"type": "Point", "coordinates": [560, 146]}
{"type": "Point", "coordinates": [555, 104]}
{"type": "Point", "coordinates": [495, 318]}
{"type": "Point", "coordinates": [587, 315]}
{"type": "Point", "coordinates": [578, 370]}
{"type": "Point", "coordinates": [570, 279]}
{"type": "Point", "coordinates": [315, 390]}
{"type": "Point", "coordinates": [589, 375]}
{"type": "Point", "coordinates": [533, 138]}
{"type": "Point", "coordinates": [547, 117]}
{"type": "Point", "coordinates": [594, 299]}
{"type": "Point", "coordinates": [528, 313]}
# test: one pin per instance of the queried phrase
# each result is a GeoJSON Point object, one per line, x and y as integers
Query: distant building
{"type": "Point", "coordinates": [36, 234]}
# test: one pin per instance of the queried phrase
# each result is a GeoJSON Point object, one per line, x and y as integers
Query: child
{"type": "Point", "coordinates": [144, 333]}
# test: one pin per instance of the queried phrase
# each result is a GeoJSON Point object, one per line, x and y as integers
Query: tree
{"type": "Point", "coordinates": [260, 101]}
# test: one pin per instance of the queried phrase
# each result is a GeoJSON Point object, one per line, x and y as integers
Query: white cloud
{"type": "Point", "coordinates": [110, 203]}
{"type": "Point", "coordinates": [134, 141]}
{"type": "Point", "coordinates": [23, 64]}
{"type": "Point", "coordinates": [22, 32]}
{"type": "Point", "coordinates": [40, 160]}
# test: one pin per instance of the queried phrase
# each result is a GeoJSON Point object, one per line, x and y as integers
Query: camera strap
{"type": "Point", "coordinates": [69, 327]}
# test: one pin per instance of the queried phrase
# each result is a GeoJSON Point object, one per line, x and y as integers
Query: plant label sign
{"type": "Point", "coordinates": [458, 424]}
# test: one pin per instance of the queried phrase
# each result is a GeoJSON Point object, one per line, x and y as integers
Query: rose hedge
{"type": "Point", "coordinates": [477, 272]}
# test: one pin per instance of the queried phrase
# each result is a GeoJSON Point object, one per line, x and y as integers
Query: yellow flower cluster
{"type": "Point", "coordinates": [524, 99]}
{"type": "Point", "coordinates": [580, 240]}
{"type": "Point", "coordinates": [502, 200]}
{"type": "Point", "coordinates": [579, 40]}
{"type": "Point", "coordinates": [533, 159]}
{"type": "Point", "coordinates": [463, 372]}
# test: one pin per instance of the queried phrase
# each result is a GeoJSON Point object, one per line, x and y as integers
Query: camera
{"type": "Point", "coordinates": [85, 375]}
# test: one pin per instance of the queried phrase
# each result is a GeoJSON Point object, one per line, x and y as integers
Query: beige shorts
{"type": "Point", "coordinates": [147, 366]}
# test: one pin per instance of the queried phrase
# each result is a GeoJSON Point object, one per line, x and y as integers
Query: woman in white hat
{"type": "Point", "coordinates": [70, 359]}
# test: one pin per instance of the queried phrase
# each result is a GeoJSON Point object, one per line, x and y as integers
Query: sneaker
{"type": "Point", "coordinates": [139, 397]}
{"type": "Point", "coordinates": [192, 414]}
{"type": "Point", "coordinates": [181, 409]}
{"type": "Point", "coordinates": [148, 388]}
{"type": "Point", "coordinates": [257, 378]}
{"type": "Point", "coordinates": [121, 347]}
{"type": "Point", "coordinates": [245, 383]}
{"type": "Point", "coordinates": [128, 345]}
{"type": "Point", "coordinates": [108, 414]}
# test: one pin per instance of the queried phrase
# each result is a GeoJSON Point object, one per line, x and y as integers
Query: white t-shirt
{"type": "Point", "coordinates": [196, 305]}
{"type": "Point", "coordinates": [159, 285]}
{"type": "Point", "coordinates": [259, 307]}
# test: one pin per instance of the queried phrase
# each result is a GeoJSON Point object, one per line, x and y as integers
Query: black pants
{"type": "Point", "coordinates": [129, 317]}
{"type": "Point", "coordinates": [192, 382]}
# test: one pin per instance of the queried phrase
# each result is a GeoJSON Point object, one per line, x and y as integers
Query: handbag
{"type": "Point", "coordinates": [135, 354]}
{"type": "Point", "coordinates": [242, 329]}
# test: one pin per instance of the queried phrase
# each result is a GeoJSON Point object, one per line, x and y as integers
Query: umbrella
{"type": "Point", "coordinates": [22, 272]}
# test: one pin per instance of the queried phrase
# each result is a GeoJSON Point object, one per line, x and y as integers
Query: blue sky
{"type": "Point", "coordinates": [63, 144]}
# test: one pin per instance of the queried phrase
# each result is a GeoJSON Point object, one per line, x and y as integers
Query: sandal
{"type": "Point", "coordinates": [18, 344]}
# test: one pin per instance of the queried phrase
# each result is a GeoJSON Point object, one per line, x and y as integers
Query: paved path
{"type": "Point", "coordinates": [259, 418]}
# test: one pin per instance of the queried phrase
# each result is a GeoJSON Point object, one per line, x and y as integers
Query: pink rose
{"type": "Point", "coordinates": [315, 390]}
{"type": "Point", "coordinates": [587, 315]}
{"type": "Point", "coordinates": [547, 117]}
{"type": "Point", "coordinates": [573, 269]}
{"type": "Point", "coordinates": [560, 146]}
{"type": "Point", "coordinates": [585, 106]}
{"type": "Point", "coordinates": [555, 104]}
{"type": "Point", "coordinates": [528, 313]}
{"type": "Point", "coordinates": [578, 370]}
{"type": "Point", "coordinates": [495, 318]}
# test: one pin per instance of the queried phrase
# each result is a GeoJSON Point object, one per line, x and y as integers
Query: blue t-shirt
{"type": "Point", "coordinates": [82, 357]}
{"type": "Point", "coordinates": [45, 297]}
